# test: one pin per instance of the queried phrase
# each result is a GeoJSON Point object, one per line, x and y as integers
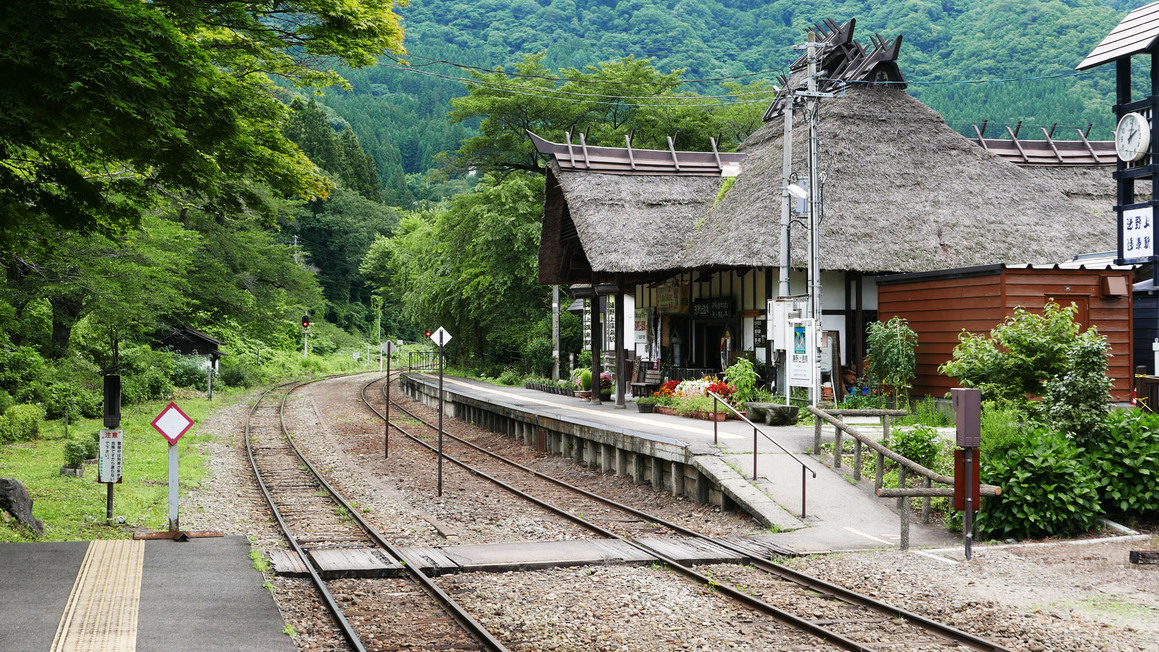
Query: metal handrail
{"type": "Point", "coordinates": [715, 440]}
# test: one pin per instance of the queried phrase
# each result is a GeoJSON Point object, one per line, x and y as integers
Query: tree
{"type": "Point", "coordinates": [471, 264]}
{"type": "Point", "coordinates": [108, 106]}
{"type": "Point", "coordinates": [892, 354]}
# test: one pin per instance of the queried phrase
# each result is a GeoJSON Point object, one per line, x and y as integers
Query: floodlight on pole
{"type": "Point", "coordinates": [797, 191]}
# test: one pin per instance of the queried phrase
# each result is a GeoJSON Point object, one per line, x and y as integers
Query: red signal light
{"type": "Point", "coordinates": [305, 321]}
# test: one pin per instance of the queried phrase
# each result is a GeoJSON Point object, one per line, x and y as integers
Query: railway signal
{"type": "Point", "coordinates": [305, 336]}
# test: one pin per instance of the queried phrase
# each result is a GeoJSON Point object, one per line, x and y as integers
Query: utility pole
{"type": "Point", "coordinates": [811, 111]}
{"type": "Point", "coordinates": [555, 332]}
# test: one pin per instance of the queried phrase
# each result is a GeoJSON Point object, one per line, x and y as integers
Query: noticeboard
{"type": "Point", "coordinates": [111, 456]}
{"type": "Point", "coordinates": [721, 308]}
{"type": "Point", "coordinates": [802, 353]}
{"type": "Point", "coordinates": [1137, 234]}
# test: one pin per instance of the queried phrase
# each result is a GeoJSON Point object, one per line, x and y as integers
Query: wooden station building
{"type": "Point", "coordinates": [698, 250]}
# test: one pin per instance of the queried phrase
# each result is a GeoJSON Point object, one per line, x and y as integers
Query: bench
{"type": "Point", "coordinates": [650, 382]}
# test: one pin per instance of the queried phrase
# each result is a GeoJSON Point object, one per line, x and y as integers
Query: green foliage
{"type": "Point", "coordinates": [1076, 400]}
{"type": "Point", "coordinates": [926, 412]}
{"type": "Point", "coordinates": [1125, 457]}
{"type": "Point", "coordinates": [189, 371]}
{"type": "Point", "coordinates": [916, 443]}
{"type": "Point", "coordinates": [537, 356]}
{"type": "Point", "coordinates": [1001, 428]}
{"type": "Point", "coordinates": [510, 377]}
{"type": "Point", "coordinates": [21, 423]}
{"type": "Point", "coordinates": [743, 377]}
{"type": "Point", "coordinates": [585, 379]}
{"type": "Point", "coordinates": [1019, 355]}
{"type": "Point", "coordinates": [240, 375]}
{"type": "Point", "coordinates": [1047, 490]}
{"type": "Point", "coordinates": [892, 348]}
{"type": "Point", "coordinates": [75, 453]}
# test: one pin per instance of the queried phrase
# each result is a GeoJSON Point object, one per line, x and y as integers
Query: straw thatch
{"type": "Point", "coordinates": [904, 193]}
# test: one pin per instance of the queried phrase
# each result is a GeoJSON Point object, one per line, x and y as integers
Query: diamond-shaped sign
{"type": "Point", "coordinates": [441, 336]}
{"type": "Point", "coordinates": [172, 423]}
{"type": "Point", "coordinates": [388, 347]}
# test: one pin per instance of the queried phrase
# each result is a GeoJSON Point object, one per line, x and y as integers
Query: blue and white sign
{"type": "Point", "coordinates": [1137, 235]}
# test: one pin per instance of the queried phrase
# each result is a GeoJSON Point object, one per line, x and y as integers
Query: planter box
{"type": "Point", "coordinates": [664, 409]}
{"type": "Point", "coordinates": [712, 416]}
{"type": "Point", "coordinates": [584, 394]}
{"type": "Point", "coordinates": [645, 409]}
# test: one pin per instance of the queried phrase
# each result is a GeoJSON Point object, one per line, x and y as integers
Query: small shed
{"type": "Point", "coordinates": [188, 341]}
{"type": "Point", "coordinates": [939, 305]}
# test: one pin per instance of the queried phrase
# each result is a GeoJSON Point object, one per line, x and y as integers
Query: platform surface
{"type": "Point", "coordinates": [839, 515]}
{"type": "Point", "coordinates": [202, 594]}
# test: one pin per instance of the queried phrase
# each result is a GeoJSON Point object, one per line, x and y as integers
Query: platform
{"type": "Point", "coordinates": [839, 515]}
{"type": "Point", "coordinates": [202, 594]}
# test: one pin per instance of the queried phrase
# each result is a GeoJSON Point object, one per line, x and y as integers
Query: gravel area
{"type": "Point", "coordinates": [1034, 598]}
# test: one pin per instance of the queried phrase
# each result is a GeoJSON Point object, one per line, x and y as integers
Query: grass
{"type": "Point", "coordinates": [73, 509]}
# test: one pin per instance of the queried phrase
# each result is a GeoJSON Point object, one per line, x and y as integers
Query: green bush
{"type": "Point", "coordinates": [1047, 490]}
{"type": "Point", "coordinates": [92, 445]}
{"type": "Point", "coordinates": [21, 423]}
{"type": "Point", "coordinates": [1125, 457]}
{"type": "Point", "coordinates": [1018, 356]}
{"type": "Point", "coordinates": [917, 443]}
{"type": "Point", "coordinates": [585, 379]}
{"type": "Point", "coordinates": [189, 371]}
{"type": "Point", "coordinates": [6, 401]}
{"type": "Point", "coordinates": [510, 377]}
{"type": "Point", "coordinates": [537, 355]}
{"type": "Point", "coordinates": [1077, 399]}
{"type": "Point", "coordinates": [239, 375]}
{"type": "Point", "coordinates": [62, 398]}
{"type": "Point", "coordinates": [75, 453]}
{"type": "Point", "coordinates": [1001, 428]}
{"type": "Point", "coordinates": [147, 385]}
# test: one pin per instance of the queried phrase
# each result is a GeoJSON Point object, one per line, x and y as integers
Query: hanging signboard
{"type": "Point", "coordinates": [609, 343]}
{"type": "Point", "coordinates": [760, 333]}
{"type": "Point", "coordinates": [672, 298]}
{"type": "Point", "coordinates": [640, 329]}
{"type": "Point", "coordinates": [587, 324]}
{"type": "Point", "coordinates": [1137, 234]}
{"type": "Point", "coordinates": [802, 353]}
{"type": "Point", "coordinates": [721, 308]}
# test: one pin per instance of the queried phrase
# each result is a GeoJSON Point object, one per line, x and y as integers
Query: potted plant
{"type": "Point", "coordinates": [607, 384]}
{"type": "Point", "coordinates": [584, 382]}
{"type": "Point", "coordinates": [646, 403]}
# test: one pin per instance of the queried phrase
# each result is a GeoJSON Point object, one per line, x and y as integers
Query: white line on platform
{"type": "Point", "coordinates": [868, 536]}
{"type": "Point", "coordinates": [941, 559]}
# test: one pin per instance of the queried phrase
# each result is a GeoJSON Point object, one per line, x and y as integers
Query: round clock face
{"type": "Point", "coordinates": [1132, 137]}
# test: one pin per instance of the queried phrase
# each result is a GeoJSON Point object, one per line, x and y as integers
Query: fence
{"type": "Point", "coordinates": [905, 465]}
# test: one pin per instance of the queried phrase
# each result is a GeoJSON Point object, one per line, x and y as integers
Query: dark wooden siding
{"type": "Point", "coordinates": [1146, 329]}
{"type": "Point", "coordinates": [938, 309]}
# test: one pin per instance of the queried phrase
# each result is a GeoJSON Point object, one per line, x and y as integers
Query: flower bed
{"type": "Point", "coordinates": [550, 386]}
{"type": "Point", "coordinates": [690, 399]}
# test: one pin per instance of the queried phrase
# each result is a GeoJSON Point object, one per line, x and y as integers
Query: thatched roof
{"type": "Point", "coordinates": [904, 193]}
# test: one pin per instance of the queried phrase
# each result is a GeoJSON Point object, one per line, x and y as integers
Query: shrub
{"type": "Point", "coordinates": [1126, 459]}
{"type": "Point", "coordinates": [537, 355]}
{"type": "Point", "coordinates": [742, 376]}
{"type": "Point", "coordinates": [892, 350]}
{"type": "Point", "coordinates": [918, 443]}
{"type": "Point", "coordinates": [1001, 428]}
{"type": "Point", "coordinates": [6, 401]}
{"type": "Point", "coordinates": [21, 423]}
{"type": "Point", "coordinates": [75, 453]}
{"type": "Point", "coordinates": [189, 371]}
{"type": "Point", "coordinates": [92, 445]}
{"type": "Point", "coordinates": [510, 377]}
{"type": "Point", "coordinates": [585, 379]}
{"type": "Point", "coordinates": [147, 385]}
{"type": "Point", "coordinates": [239, 375]}
{"type": "Point", "coordinates": [62, 398]}
{"type": "Point", "coordinates": [1077, 399]}
{"type": "Point", "coordinates": [1019, 355]}
{"type": "Point", "coordinates": [1047, 490]}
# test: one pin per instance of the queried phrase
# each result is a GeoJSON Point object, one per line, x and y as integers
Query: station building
{"type": "Point", "coordinates": [691, 241]}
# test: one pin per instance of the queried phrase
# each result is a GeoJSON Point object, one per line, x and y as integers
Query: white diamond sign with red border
{"type": "Point", "coordinates": [172, 423]}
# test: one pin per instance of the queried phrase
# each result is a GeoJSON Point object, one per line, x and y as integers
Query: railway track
{"type": "Point", "coordinates": [407, 611]}
{"type": "Point", "coordinates": [841, 617]}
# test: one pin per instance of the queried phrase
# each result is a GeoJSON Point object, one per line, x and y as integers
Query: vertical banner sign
{"type": "Point", "coordinates": [111, 455]}
{"type": "Point", "coordinates": [640, 331]}
{"type": "Point", "coordinates": [440, 337]}
{"type": "Point", "coordinates": [1137, 234]}
{"type": "Point", "coordinates": [802, 353]}
{"type": "Point", "coordinates": [587, 325]}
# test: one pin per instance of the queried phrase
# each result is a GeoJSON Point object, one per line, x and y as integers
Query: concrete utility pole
{"type": "Point", "coordinates": [811, 111]}
{"type": "Point", "coordinates": [786, 198]}
{"type": "Point", "coordinates": [555, 332]}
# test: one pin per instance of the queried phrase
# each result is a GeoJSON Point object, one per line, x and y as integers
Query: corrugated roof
{"type": "Point", "coordinates": [1137, 33]}
{"type": "Point", "coordinates": [1052, 152]}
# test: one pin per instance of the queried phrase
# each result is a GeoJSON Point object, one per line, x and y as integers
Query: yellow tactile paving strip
{"type": "Point", "coordinates": [102, 610]}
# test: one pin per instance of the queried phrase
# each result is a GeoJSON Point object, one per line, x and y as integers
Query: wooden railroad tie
{"type": "Point", "coordinates": [1144, 557]}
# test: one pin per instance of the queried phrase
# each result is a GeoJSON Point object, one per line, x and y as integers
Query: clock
{"type": "Point", "coordinates": [1132, 137]}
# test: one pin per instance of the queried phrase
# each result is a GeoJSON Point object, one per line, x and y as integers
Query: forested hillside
{"type": "Point", "coordinates": [954, 53]}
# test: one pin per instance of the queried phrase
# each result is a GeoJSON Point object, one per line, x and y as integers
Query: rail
{"type": "Point", "coordinates": [717, 399]}
{"type": "Point", "coordinates": [905, 466]}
